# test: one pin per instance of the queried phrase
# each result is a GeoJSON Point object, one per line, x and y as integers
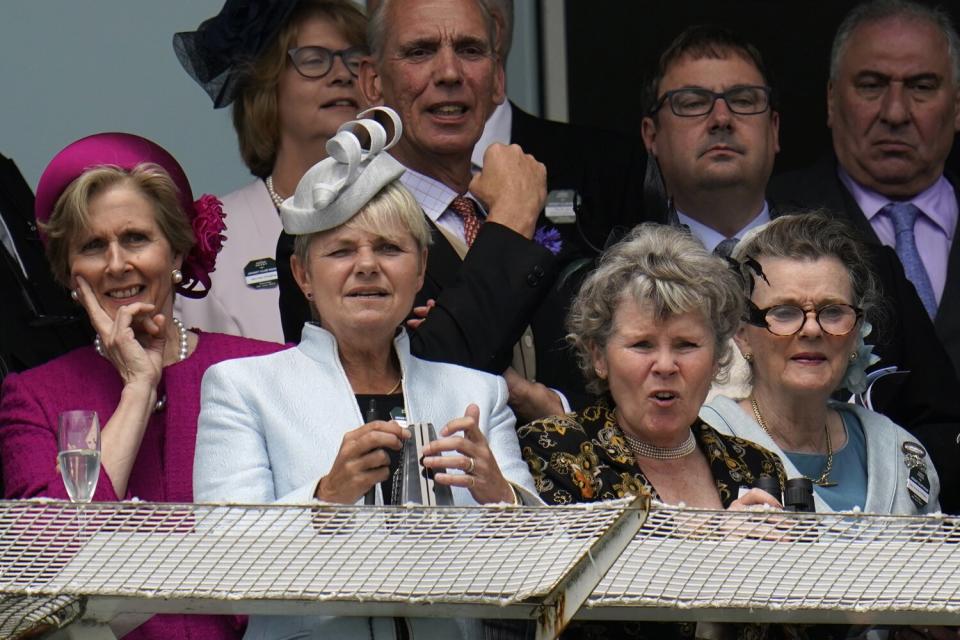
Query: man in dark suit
{"type": "Point", "coordinates": [605, 169]}
{"type": "Point", "coordinates": [435, 64]}
{"type": "Point", "coordinates": [39, 321]}
{"type": "Point", "coordinates": [715, 167]}
{"type": "Point", "coordinates": [894, 109]}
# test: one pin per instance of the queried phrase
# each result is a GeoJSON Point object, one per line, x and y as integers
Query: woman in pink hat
{"type": "Point", "coordinates": [123, 233]}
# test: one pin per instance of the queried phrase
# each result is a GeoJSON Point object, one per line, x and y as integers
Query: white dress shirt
{"type": "Point", "coordinates": [710, 237]}
{"type": "Point", "coordinates": [498, 128]}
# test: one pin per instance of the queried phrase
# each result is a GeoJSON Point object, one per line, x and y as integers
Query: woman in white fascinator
{"type": "Point", "coordinates": [319, 421]}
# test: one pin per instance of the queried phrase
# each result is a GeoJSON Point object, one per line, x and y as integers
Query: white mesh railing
{"type": "Point", "coordinates": [270, 555]}
{"type": "Point", "coordinates": [748, 566]}
{"type": "Point", "coordinates": [56, 560]}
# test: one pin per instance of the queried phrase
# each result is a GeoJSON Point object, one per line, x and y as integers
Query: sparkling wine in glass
{"type": "Point", "coordinates": [78, 444]}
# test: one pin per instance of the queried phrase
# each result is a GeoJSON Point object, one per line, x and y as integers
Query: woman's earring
{"type": "Point", "coordinates": [177, 276]}
{"type": "Point", "coordinates": [748, 357]}
{"type": "Point", "coordinates": [853, 356]}
{"type": "Point", "coordinates": [75, 295]}
{"type": "Point", "coordinates": [309, 295]}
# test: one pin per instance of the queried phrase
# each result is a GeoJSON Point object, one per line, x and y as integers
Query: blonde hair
{"type": "Point", "coordinates": [664, 268]}
{"type": "Point", "coordinates": [390, 213]}
{"type": "Point", "coordinates": [71, 213]}
{"type": "Point", "coordinates": [255, 113]}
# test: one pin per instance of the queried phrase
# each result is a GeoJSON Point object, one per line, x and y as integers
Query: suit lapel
{"type": "Point", "coordinates": [443, 263]}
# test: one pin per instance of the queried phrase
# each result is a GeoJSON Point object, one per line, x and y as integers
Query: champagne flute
{"type": "Point", "coordinates": [78, 445]}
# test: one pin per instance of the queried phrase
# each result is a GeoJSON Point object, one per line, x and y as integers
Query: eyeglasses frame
{"type": "Point", "coordinates": [340, 53]}
{"type": "Point", "coordinates": [713, 102]}
{"type": "Point", "coordinates": [757, 317]}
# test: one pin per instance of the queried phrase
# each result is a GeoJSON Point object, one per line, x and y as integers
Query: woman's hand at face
{"type": "Point", "coordinates": [361, 462]}
{"type": "Point", "coordinates": [133, 341]}
{"type": "Point", "coordinates": [481, 474]}
{"type": "Point", "coordinates": [752, 499]}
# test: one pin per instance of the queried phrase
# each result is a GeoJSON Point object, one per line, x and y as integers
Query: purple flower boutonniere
{"type": "Point", "coordinates": [549, 239]}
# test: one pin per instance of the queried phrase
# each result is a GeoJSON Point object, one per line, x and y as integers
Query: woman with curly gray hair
{"type": "Point", "coordinates": [652, 326]}
{"type": "Point", "coordinates": [809, 294]}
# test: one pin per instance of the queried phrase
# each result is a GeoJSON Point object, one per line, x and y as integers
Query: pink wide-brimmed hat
{"type": "Point", "coordinates": [127, 151]}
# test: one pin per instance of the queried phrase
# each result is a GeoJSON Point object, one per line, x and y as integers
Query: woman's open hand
{"type": "Point", "coordinates": [361, 462]}
{"type": "Point", "coordinates": [481, 474]}
{"type": "Point", "coordinates": [133, 341]}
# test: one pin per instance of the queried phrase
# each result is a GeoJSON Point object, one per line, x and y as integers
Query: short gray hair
{"type": "Point", "coordinates": [377, 27]}
{"type": "Point", "coordinates": [503, 9]}
{"type": "Point", "coordinates": [810, 235]}
{"type": "Point", "coordinates": [878, 10]}
{"type": "Point", "coordinates": [664, 267]}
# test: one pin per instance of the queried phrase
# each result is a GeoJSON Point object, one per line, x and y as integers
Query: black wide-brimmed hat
{"type": "Point", "coordinates": [215, 54]}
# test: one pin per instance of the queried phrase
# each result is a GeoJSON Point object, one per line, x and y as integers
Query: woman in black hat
{"type": "Point", "coordinates": [289, 69]}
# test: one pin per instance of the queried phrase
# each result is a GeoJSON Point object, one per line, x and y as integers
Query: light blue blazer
{"type": "Point", "coordinates": [270, 427]}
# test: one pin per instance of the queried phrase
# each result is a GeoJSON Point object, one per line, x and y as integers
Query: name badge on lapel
{"type": "Point", "coordinates": [261, 273]}
{"type": "Point", "coordinates": [918, 481]}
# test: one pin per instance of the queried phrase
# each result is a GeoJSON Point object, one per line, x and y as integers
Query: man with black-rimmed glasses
{"type": "Point", "coordinates": [714, 133]}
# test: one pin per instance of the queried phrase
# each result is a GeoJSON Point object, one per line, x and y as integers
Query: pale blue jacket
{"type": "Point", "coordinates": [270, 427]}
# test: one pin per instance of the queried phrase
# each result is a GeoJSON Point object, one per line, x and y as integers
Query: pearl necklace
{"type": "Point", "coordinates": [824, 479]}
{"type": "Point", "coordinates": [182, 349]}
{"type": "Point", "coordinates": [277, 200]}
{"type": "Point", "coordinates": [645, 450]}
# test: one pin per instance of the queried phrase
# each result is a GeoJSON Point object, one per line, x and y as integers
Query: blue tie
{"type": "Point", "coordinates": [904, 215]}
{"type": "Point", "coordinates": [726, 247]}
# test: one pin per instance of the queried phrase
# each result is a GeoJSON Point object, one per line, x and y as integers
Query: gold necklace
{"type": "Point", "coordinates": [824, 479]}
{"type": "Point", "coordinates": [396, 386]}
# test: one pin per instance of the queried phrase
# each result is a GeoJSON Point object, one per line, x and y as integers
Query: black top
{"type": "Point", "coordinates": [379, 407]}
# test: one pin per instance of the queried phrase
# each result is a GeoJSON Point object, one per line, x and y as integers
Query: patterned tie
{"type": "Point", "coordinates": [726, 247]}
{"type": "Point", "coordinates": [467, 210]}
{"type": "Point", "coordinates": [904, 215]}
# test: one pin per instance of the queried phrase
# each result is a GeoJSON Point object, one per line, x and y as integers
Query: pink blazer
{"type": "Point", "coordinates": [31, 401]}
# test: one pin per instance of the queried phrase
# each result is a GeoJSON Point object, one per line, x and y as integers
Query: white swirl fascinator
{"type": "Point", "coordinates": [336, 188]}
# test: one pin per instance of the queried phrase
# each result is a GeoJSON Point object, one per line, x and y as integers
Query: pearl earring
{"type": "Point", "coordinates": [75, 295]}
{"type": "Point", "coordinates": [177, 276]}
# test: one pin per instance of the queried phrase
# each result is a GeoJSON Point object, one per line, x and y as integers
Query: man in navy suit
{"type": "Point", "coordinates": [894, 109]}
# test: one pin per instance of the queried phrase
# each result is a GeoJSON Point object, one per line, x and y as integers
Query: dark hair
{"type": "Point", "coordinates": [255, 113]}
{"type": "Point", "coordinates": [698, 42]}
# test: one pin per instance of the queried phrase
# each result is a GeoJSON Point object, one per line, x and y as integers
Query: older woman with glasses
{"type": "Point", "coordinates": [809, 292]}
{"type": "Point", "coordinates": [289, 69]}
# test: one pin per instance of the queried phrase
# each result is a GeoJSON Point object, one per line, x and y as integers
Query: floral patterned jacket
{"type": "Point", "coordinates": [583, 457]}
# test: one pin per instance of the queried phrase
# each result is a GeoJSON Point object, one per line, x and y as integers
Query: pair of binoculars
{"type": "Point", "coordinates": [797, 495]}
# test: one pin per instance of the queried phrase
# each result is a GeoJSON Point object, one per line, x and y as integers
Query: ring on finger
{"type": "Point", "coordinates": [472, 466]}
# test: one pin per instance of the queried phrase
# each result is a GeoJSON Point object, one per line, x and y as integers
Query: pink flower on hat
{"type": "Point", "coordinates": [207, 226]}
